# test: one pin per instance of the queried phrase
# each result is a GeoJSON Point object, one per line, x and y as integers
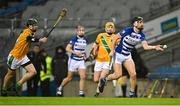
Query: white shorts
{"type": "Point", "coordinates": [74, 65]}
{"type": "Point", "coordinates": [99, 66]}
{"type": "Point", "coordinates": [120, 58]}
{"type": "Point", "coordinates": [14, 63]}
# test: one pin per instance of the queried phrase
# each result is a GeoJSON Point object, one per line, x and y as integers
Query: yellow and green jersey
{"type": "Point", "coordinates": [104, 41]}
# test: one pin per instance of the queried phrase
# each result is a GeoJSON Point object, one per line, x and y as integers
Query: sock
{"type": "Point", "coordinates": [131, 93]}
{"type": "Point", "coordinates": [124, 87]}
{"type": "Point", "coordinates": [104, 79]}
{"type": "Point", "coordinates": [136, 90]}
{"type": "Point", "coordinates": [60, 88]}
{"type": "Point", "coordinates": [81, 92]}
{"type": "Point", "coordinates": [18, 85]}
{"type": "Point", "coordinates": [97, 89]}
{"type": "Point", "coordinates": [114, 83]}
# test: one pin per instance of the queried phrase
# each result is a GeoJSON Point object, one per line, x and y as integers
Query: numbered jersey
{"type": "Point", "coordinates": [129, 39]}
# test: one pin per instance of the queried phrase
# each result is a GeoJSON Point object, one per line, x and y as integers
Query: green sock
{"type": "Point", "coordinates": [18, 85]}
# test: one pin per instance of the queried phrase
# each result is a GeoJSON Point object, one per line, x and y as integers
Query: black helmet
{"type": "Point", "coordinates": [138, 18]}
{"type": "Point", "coordinates": [31, 21]}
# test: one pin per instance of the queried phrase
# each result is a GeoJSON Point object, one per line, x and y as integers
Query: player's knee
{"type": "Point", "coordinates": [33, 72]}
{"type": "Point", "coordinates": [11, 73]}
{"type": "Point", "coordinates": [133, 76]}
{"type": "Point", "coordinates": [83, 77]}
{"type": "Point", "coordinates": [96, 80]}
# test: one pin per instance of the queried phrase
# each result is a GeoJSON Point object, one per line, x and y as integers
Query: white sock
{"type": "Point", "coordinates": [97, 89]}
{"type": "Point", "coordinates": [60, 88]}
{"type": "Point", "coordinates": [81, 92]}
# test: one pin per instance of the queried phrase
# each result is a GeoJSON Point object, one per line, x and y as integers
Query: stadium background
{"type": "Point", "coordinates": [93, 14]}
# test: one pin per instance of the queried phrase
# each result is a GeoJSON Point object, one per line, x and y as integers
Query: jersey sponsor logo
{"type": "Point", "coordinates": [133, 39]}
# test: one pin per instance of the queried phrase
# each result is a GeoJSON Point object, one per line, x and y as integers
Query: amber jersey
{"type": "Point", "coordinates": [104, 41]}
{"type": "Point", "coordinates": [21, 47]}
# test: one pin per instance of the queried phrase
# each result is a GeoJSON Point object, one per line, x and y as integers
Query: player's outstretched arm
{"type": "Point", "coordinates": [33, 39]}
{"type": "Point", "coordinates": [146, 46]}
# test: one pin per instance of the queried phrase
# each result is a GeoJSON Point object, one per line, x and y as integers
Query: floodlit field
{"type": "Point", "coordinates": [41, 101]}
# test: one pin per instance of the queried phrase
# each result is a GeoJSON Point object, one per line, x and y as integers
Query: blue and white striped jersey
{"type": "Point", "coordinates": [129, 39]}
{"type": "Point", "coordinates": [78, 44]}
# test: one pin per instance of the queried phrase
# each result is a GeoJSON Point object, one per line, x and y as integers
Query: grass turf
{"type": "Point", "coordinates": [88, 101]}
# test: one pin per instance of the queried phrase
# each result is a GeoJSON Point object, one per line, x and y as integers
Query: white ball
{"type": "Point", "coordinates": [164, 46]}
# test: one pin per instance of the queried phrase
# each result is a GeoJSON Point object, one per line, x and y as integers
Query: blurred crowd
{"type": "Point", "coordinates": [46, 66]}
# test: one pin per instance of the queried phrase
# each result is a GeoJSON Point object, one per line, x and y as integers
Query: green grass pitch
{"type": "Point", "coordinates": [87, 101]}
